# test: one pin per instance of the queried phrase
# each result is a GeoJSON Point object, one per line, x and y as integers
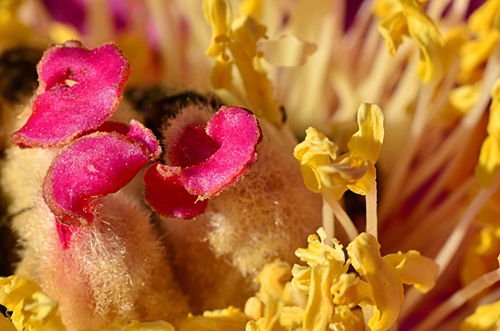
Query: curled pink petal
{"type": "Point", "coordinates": [110, 126]}
{"type": "Point", "coordinates": [138, 132]}
{"type": "Point", "coordinates": [79, 89]}
{"type": "Point", "coordinates": [88, 168]}
{"type": "Point", "coordinates": [237, 132]}
{"type": "Point", "coordinates": [167, 195]}
{"type": "Point", "coordinates": [194, 146]}
{"type": "Point", "coordinates": [206, 159]}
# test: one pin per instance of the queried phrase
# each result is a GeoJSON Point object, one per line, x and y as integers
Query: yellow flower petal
{"type": "Point", "coordinates": [367, 141]}
{"type": "Point", "coordinates": [14, 289]}
{"type": "Point", "coordinates": [489, 161]}
{"type": "Point", "coordinates": [494, 120]}
{"type": "Point", "coordinates": [12, 31]}
{"type": "Point", "coordinates": [271, 319]}
{"type": "Point", "coordinates": [351, 291]}
{"type": "Point", "coordinates": [475, 53]}
{"type": "Point", "coordinates": [60, 33]}
{"type": "Point", "coordinates": [383, 8]}
{"type": "Point", "coordinates": [31, 308]}
{"type": "Point", "coordinates": [247, 31]}
{"type": "Point", "coordinates": [423, 30]}
{"type": "Point", "coordinates": [251, 7]}
{"type": "Point", "coordinates": [354, 170]}
{"type": "Point", "coordinates": [229, 319]}
{"type": "Point", "coordinates": [489, 216]}
{"type": "Point", "coordinates": [463, 98]}
{"type": "Point", "coordinates": [347, 319]}
{"type": "Point", "coordinates": [254, 308]}
{"type": "Point", "coordinates": [6, 324]}
{"type": "Point", "coordinates": [316, 150]}
{"type": "Point", "coordinates": [258, 88]}
{"type": "Point", "coordinates": [489, 157]}
{"type": "Point", "coordinates": [218, 15]}
{"type": "Point", "coordinates": [291, 317]}
{"type": "Point", "coordinates": [485, 17]}
{"type": "Point", "coordinates": [319, 308]}
{"type": "Point", "coordinates": [453, 41]}
{"type": "Point", "coordinates": [481, 255]}
{"type": "Point", "coordinates": [365, 183]}
{"type": "Point", "coordinates": [392, 28]}
{"type": "Point", "coordinates": [240, 37]}
{"type": "Point", "coordinates": [318, 252]}
{"type": "Point", "coordinates": [410, 19]}
{"type": "Point", "coordinates": [345, 170]}
{"type": "Point", "coordinates": [222, 76]}
{"type": "Point", "coordinates": [384, 280]}
{"type": "Point", "coordinates": [414, 269]}
{"type": "Point", "coordinates": [272, 279]}
{"type": "Point", "coordinates": [287, 51]}
{"type": "Point", "coordinates": [138, 54]}
{"type": "Point", "coordinates": [483, 319]}
{"type": "Point", "coordinates": [118, 325]}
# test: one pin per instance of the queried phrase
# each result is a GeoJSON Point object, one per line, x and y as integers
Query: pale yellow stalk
{"type": "Point", "coordinates": [458, 299]}
{"type": "Point", "coordinates": [342, 216]}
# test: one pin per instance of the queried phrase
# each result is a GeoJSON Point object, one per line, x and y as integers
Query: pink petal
{"type": "Point", "coordinates": [64, 109]}
{"type": "Point", "coordinates": [166, 194]}
{"type": "Point", "coordinates": [237, 132]}
{"type": "Point", "coordinates": [194, 146]}
{"type": "Point", "coordinates": [88, 168]}
{"type": "Point", "coordinates": [137, 132]}
{"type": "Point", "coordinates": [146, 138]}
{"type": "Point", "coordinates": [110, 126]}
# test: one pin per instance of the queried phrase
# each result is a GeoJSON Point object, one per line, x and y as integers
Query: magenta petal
{"type": "Point", "coordinates": [238, 133]}
{"type": "Point", "coordinates": [88, 168]}
{"type": "Point", "coordinates": [194, 146]}
{"type": "Point", "coordinates": [166, 194]}
{"type": "Point", "coordinates": [110, 126]}
{"type": "Point", "coordinates": [79, 89]}
{"type": "Point", "coordinates": [145, 137]}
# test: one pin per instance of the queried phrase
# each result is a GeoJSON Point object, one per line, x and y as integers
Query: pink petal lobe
{"type": "Point", "coordinates": [194, 146]}
{"type": "Point", "coordinates": [79, 89]}
{"type": "Point", "coordinates": [166, 194]}
{"type": "Point", "coordinates": [88, 168]}
{"type": "Point", "coordinates": [237, 132]}
{"type": "Point", "coordinates": [145, 137]}
{"type": "Point", "coordinates": [110, 126]}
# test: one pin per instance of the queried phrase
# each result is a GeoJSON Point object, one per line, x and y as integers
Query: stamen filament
{"type": "Point", "coordinates": [424, 224]}
{"type": "Point", "coordinates": [328, 220]}
{"type": "Point", "coordinates": [455, 239]}
{"type": "Point", "coordinates": [401, 168]}
{"type": "Point", "coordinates": [167, 33]}
{"type": "Point", "coordinates": [462, 133]}
{"type": "Point", "coordinates": [371, 211]}
{"type": "Point", "coordinates": [453, 242]}
{"type": "Point", "coordinates": [342, 216]}
{"type": "Point", "coordinates": [458, 299]}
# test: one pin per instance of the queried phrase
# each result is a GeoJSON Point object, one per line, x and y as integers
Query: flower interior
{"type": "Point", "coordinates": [381, 129]}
